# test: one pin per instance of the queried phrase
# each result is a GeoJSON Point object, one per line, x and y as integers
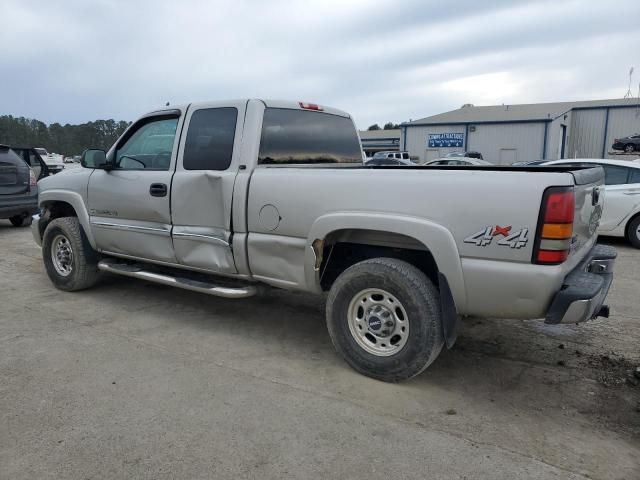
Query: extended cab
{"type": "Point", "coordinates": [224, 197]}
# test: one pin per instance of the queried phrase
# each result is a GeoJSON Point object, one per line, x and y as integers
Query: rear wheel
{"type": "Point", "coordinates": [20, 220]}
{"type": "Point", "coordinates": [383, 317]}
{"type": "Point", "coordinates": [633, 232]}
{"type": "Point", "coordinates": [70, 261]}
{"type": "Point", "coordinates": [629, 148]}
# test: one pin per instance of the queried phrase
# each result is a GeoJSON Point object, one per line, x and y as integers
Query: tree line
{"type": "Point", "coordinates": [67, 140]}
{"type": "Point", "coordinates": [387, 126]}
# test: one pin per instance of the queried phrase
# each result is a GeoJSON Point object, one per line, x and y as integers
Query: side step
{"type": "Point", "coordinates": [138, 271]}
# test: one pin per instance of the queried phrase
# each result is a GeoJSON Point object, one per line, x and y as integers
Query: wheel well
{"type": "Point", "coordinates": [347, 247]}
{"type": "Point", "coordinates": [53, 210]}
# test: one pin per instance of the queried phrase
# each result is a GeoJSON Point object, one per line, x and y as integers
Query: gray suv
{"type": "Point", "coordinates": [18, 188]}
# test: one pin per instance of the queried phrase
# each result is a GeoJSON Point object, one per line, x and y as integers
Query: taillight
{"type": "Point", "coordinates": [310, 106]}
{"type": "Point", "coordinates": [33, 181]}
{"type": "Point", "coordinates": [555, 226]}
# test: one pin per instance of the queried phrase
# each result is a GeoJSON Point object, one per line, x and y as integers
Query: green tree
{"type": "Point", "coordinates": [375, 126]}
{"type": "Point", "coordinates": [64, 139]}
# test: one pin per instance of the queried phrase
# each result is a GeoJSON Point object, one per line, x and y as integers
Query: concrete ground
{"type": "Point", "coordinates": [134, 380]}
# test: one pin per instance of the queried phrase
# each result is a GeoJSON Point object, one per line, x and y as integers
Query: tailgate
{"type": "Point", "coordinates": [589, 199]}
{"type": "Point", "coordinates": [14, 179]}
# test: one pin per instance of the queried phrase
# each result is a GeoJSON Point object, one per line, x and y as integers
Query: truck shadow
{"type": "Point", "coordinates": [498, 363]}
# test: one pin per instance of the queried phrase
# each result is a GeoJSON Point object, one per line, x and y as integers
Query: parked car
{"type": "Point", "coordinates": [389, 155]}
{"type": "Point", "coordinates": [621, 214]}
{"type": "Point", "coordinates": [628, 144]}
{"type": "Point", "coordinates": [53, 161]}
{"type": "Point", "coordinates": [18, 188]}
{"type": "Point", "coordinates": [477, 155]}
{"type": "Point", "coordinates": [529, 163]}
{"type": "Point", "coordinates": [34, 160]}
{"type": "Point", "coordinates": [457, 161]}
{"type": "Point", "coordinates": [272, 192]}
{"type": "Point", "coordinates": [376, 162]}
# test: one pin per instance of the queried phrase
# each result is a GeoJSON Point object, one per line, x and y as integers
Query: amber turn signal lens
{"type": "Point", "coordinates": [557, 230]}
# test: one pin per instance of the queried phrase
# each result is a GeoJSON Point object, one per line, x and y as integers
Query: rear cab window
{"type": "Point", "coordinates": [298, 137]}
{"type": "Point", "coordinates": [209, 142]}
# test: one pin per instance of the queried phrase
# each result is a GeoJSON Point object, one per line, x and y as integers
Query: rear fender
{"type": "Point", "coordinates": [434, 237]}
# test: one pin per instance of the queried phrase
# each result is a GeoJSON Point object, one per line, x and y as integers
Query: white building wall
{"type": "Point", "coordinates": [505, 143]}
{"type": "Point", "coordinates": [587, 133]}
{"type": "Point", "coordinates": [554, 137]}
{"type": "Point", "coordinates": [417, 141]}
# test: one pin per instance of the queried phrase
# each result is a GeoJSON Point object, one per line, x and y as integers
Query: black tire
{"type": "Point", "coordinates": [418, 297]}
{"type": "Point", "coordinates": [629, 148]}
{"type": "Point", "coordinates": [633, 232]}
{"type": "Point", "coordinates": [83, 268]}
{"type": "Point", "coordinates": [20, 220]}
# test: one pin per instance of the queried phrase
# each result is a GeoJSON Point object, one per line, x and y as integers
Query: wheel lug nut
{"type": "Point", "coordinates": [389, 323]}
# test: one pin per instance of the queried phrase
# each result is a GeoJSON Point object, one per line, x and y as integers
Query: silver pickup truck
{"type": "Point", "coordinates": [225, 198]}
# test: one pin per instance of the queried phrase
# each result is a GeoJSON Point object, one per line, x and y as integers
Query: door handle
{"type": "Point", "coordinates": [158, 190]}
{"type": "Point", "coordinates": [632, 192]}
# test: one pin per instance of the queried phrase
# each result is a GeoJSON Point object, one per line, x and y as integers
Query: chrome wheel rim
{"type": "Point", "coordinates": [378, 322]}
{"type": "Point", "coordinates": [62, 255]}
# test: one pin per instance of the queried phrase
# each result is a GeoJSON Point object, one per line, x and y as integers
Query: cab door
{"type": "Point", "coordinates": [202, 190]}
{"type": "Point", "coordinates": [129, 205]}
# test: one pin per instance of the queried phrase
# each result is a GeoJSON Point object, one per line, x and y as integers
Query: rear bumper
{"type": "Point", "coordinates": [584, 290]}
{"type": "Point", "coordinates": [25, 204]}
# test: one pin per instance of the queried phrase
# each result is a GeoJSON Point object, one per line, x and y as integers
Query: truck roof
{"type": "Point", "coordinates": [296, 105]}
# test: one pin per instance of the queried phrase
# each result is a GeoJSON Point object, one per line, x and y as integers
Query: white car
{"type": "Point", "coordinates": [457, 161]}
{"type": "Point", "coordinates": [53, 160]}
{"type": "Point", "coordinates": [621, 214]}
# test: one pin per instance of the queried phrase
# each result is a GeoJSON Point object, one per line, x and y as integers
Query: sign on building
{"type": "Point", "coordinates": [439, 140]}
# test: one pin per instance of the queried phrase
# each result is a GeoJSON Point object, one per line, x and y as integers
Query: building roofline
{"type": "Point", "coordinates": [480, 122]}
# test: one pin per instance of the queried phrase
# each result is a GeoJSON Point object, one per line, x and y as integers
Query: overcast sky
{"type": "Point", "coordinates": [77, 60]}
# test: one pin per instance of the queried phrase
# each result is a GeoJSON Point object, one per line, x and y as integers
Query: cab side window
{"type": "Point", "coordinates": [635, 175]}
{"type": "Point", "coordinates": [149, 147]}
{"type": "Point", "coordinates": [209, 143]}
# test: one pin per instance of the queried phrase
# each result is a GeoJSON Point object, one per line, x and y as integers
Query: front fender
{"type": "Point", "coordinates": [435, 238]}
{"type": "Point", "coordinates": [76, 201]}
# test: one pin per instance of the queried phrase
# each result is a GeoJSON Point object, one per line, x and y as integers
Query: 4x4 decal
{"type": "Point", "coordinates": [484, 237]}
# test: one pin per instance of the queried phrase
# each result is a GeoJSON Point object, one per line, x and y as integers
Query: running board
{"type": "Point", "coordinates": [137, 271]}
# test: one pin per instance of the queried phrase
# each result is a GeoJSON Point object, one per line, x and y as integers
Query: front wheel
{"type": "Point", "coordinates": [70, 261]}
{"type": "Point", "coordinates": [629, 148]}
{"type": "Point", "coordinates": [383, 317]}
{"type": "Point", "coordinates": [633, 232]}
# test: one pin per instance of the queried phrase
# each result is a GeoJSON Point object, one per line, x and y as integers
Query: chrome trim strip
{"type": "Point", "coordinates": [204, 237]}
{"type": "Point", "coordinates": [139, 228]}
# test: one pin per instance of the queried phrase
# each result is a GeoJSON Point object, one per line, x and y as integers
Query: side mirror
{"type": "Point", "coordinates": [94, 158]}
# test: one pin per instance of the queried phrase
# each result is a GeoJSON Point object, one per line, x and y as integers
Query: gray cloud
{"type": "Point", "coordinates": [380, 60]}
